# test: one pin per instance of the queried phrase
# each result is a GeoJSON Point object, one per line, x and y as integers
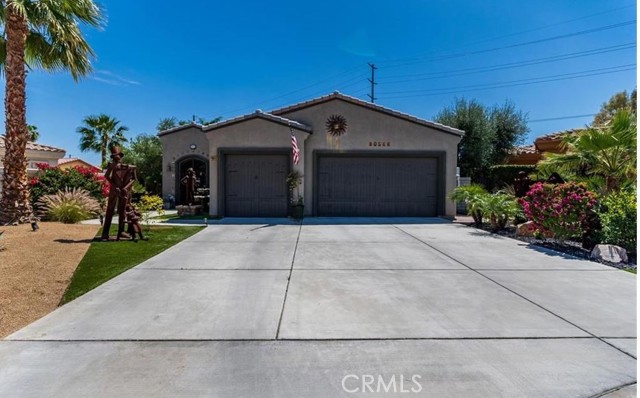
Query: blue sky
{"type": "Point", "coordinates": [156, 59]}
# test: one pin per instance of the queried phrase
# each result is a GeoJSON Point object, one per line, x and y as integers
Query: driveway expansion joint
{"type": "Point", "coordinates": [614, 389]}
{"type": "Point", "coordinates": [286, 291]}
{"type": "Point", "coordinates": [513, 291]}
{"type": "Point", "coordinates": [286, 339]}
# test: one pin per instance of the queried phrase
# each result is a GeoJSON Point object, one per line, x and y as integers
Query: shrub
{"type": "Point", "coordinates": [470, 194]}
{"type": "Point", "coordinates": [618, 218]}
{"type": "Point", "coordinates": [499, 176]}
{"type": "Point", "coordinates": [147, 204]}
{"type": "Point", "coordinates": [69, 206]}
{"type": "Point", "coordinates": [498, 207]}
{"type": "Point", "coordinates": [50, 181]}
{"type": "Point", "coordinates": [563, 210]}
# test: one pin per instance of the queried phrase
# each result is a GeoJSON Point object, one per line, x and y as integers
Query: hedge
{"type": "Point", "coordinates": [504, 174]}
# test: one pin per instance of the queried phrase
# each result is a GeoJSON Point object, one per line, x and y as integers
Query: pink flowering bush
{"type": "Point", "coordinates": [51, 180]}
{"type": "Point", "coordinates": [561, 210]}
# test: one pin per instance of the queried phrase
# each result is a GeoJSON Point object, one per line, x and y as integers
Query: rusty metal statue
{"type": "Point", "coordinates": [189, 181]}
{"type": "Point", "coordinates": [121, 178]}
{"type": "Point", "coordinates": [133, 220]}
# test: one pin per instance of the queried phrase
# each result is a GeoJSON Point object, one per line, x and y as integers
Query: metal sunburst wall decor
{"type": "Point", "coordinates": [336, 125]}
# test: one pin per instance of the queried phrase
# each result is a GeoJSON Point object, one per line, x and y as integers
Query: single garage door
{"type": "Point", "coordinates": [256, 186]}
{"type": "Point", "coordinates": [377, 186]}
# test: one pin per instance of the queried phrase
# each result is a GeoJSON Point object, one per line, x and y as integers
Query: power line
{"type": "Point", "coordinates": [346, 84]}
{"type": "Point", "coordinates": [510, 65]}
{"type": "Point", "coordinates": [532, 30]}
{"type": "Point", "coordinates": [266, 101]}
{"type": "Point", "coordinates": [561, 118]}
{"type": "Point", "coordinates": [512, 83]}
{"type": "Point", "coordinates": [515, 45]}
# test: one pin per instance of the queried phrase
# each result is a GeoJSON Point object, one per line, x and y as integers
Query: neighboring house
{"type": "Point", "coordinates": [532, 154]}
{"type": "Point", "coordinates": [36, 153]}
{"type": "Point", "coordinates": [69, 163]}
{"type": "Point", "coordinates": [386, 164]}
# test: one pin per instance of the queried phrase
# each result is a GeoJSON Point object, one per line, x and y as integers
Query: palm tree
{"type": "Point", "coordinates": [34, 134]}
{"type": "Point", "coordinates": [41, 34]}
{"type": "Point", "coordinates": [607, 152]}
{"type": "Point", "coordinates": [101, 132]}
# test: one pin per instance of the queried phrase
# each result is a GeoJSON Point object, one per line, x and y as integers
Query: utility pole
{"type": "Point", "coordinates": [372, 96]}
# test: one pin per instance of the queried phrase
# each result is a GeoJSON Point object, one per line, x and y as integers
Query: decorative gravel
{"type": "Point", "coordinates": [567, 247]}
{"type": "Point", "coordinates": [36, 268]}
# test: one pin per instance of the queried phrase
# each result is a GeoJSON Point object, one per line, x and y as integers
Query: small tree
{"type": "Point", "coordinates": [490, 133]}
{"type": "Point", "coordinates": [617, 102]}
{"type": "Point", "coordinates": [145, 152]}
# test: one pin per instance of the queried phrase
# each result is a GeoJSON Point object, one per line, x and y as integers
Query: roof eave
{"type": "Point", "coordinates": [356, 101]}
{"type": "Point", "coordinates": [260, 115]}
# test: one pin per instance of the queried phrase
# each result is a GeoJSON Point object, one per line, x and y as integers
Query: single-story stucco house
{"type": "Point", "coordinates": [35, 153]}
{"type": "Point", "coordinates": [356, 159]}
{"type": "Point", "coordinates": [70, 163]}
{"type": "Point", "coordinates": [548, 143]}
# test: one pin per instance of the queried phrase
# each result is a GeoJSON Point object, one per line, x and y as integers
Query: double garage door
{"type": "Point", "coordinates": [365, 186]}
{"type": "Point", "coordinates": [346, 186]}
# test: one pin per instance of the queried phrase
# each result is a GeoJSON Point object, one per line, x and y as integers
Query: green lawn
{"type": "Point", "coordinates": [174, 216]}
{"type": "Point", "coordinates": [105, 260]}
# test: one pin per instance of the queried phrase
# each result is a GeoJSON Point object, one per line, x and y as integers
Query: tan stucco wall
{"type": "Point", "coordinates": [251, 134]}
{"type": "Point", "coordinates": [365, 126]}
{"type": "Point", "coordinates": [177, 145]}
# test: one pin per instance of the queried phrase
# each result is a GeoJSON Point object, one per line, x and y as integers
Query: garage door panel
{"type": "Point", "coordinates": [255, 185]}
{"type": "Point", "coordinates": [377, 186]}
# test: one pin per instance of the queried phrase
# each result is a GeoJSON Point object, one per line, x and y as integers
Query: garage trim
{"type": "Point", "coordinates": [440, 157]}
{"type": "Point", "coordinates": [223, 152]}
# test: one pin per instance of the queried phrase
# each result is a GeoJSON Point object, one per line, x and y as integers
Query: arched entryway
{"type": "Point", "coordinates": [200, 166]}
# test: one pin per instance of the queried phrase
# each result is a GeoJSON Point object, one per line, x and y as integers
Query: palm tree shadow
{"type": "Point", "coordinates": [74, 241]}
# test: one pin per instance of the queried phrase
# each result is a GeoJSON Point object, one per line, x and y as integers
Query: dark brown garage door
{"type": "Point", "coordinates": [377, 186]}
{"type": "Point", "coordinates": [255, 185]}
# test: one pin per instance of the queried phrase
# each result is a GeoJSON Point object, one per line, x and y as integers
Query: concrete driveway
{"type": "Point", "coordinates": [338, 307]}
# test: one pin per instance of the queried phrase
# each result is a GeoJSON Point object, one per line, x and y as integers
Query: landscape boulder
{"type": "Point", "coordinates": [610, 253]}
{"type": "Point", "coordinates": [525, 229]}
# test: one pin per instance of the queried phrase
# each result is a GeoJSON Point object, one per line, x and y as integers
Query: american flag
{"type": "Point", "coordinates": [295, 149]}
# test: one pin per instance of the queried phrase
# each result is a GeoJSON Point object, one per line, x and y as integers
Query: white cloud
{"type": "Point", "coordinates": [108, 77]}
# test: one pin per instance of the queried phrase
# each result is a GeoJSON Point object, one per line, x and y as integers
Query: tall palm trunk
{"type": "Point", "coordinates": [15, 205]}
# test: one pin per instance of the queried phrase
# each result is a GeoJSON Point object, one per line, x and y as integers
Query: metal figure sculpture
{"type": "Point", "coordinates": [121, 178]}
{"type": "Point", "coordinates": [133, 220]}
{"type": "Point", "coordinates": [189, 181]}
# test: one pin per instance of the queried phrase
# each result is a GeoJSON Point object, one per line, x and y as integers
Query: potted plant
{"type": "Point", "coordinates": [294, 179]}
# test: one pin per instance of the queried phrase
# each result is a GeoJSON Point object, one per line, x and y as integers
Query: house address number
{"type": "Point", "coordinates": [380, 143]}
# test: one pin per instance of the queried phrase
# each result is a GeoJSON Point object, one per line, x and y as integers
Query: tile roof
{"type": "Point", "coordinates": [261, 115]}
{"type": "Point", "coordinates": [524, 149]}
{"type": "Point", "coordinates": [179, 128]}
{"type": "Point", "coordinates": [369, 105]}
{"type": "Point", "coordinates": [34, 146]}
{"type": "Point", "coordinates": [62, 161]}
{"type": "Point", "coordinates": [558, 135]}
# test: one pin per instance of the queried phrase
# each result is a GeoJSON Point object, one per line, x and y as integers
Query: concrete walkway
{"type": "Point", "coordinates": [332, 308]}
